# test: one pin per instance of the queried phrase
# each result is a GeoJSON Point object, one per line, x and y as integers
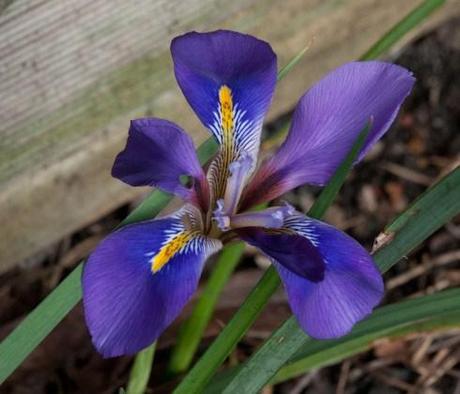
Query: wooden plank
{"type": "Point", "coordinates": [72, 75]}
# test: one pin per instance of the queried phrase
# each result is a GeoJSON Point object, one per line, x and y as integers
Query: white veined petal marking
{"type": "Point", "coordinates": [303, 226]}
{"type": "Point", "coordinates": [235, 134]}
{"type": "Point", "coordinates": [184, 236]}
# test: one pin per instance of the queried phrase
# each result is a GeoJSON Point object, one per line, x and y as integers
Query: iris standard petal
{"type": "Point", "coordinates": [228, 78]}
{"type": "Point", "coordinates": [138, 280]}
{"type": "Point", "coordinates": [351, 288]}
{"type": "Point", "coordinates": [158, 153]}
{"type": "Point", "coordinates": [327, 121]}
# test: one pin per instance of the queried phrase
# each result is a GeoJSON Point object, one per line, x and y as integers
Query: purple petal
{"type": "Point", "coordinates": [290, 250]}
{"type": "Point", "coordinates": [351, 288]}
{"type": "Point", "coordinates": [326, 123]}
{"type": "Point", "coordinates": [228, 78]}
{"type": "Point", "coordinates": [158, 153]}
{"type": "Point", "coordinates": [131, 293]}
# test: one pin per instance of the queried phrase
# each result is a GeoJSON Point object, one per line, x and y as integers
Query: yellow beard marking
{"type": "Point", "coordinates": [227, 122]}
{"type": "Point", "coordinates": [226, 109]}
{"type": "Point", "coordinates": [168, 251]}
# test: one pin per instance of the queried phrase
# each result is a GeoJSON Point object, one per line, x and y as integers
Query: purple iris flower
{"type": "Point", "coordinates": [140, 277]}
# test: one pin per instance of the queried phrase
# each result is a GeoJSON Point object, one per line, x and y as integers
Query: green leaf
{"type": "Point", "coordinates": [430, 211]}
{"type": "Point", "coordinates": [38, 324]}
{"type": "Point", "coordinates": [437, 311]}
{"type": "Point", "coordinates": [398, 31]}
{"type": "Point", "coordinates": [192, 330]}
{"type": "Point", "coordinates": [328, 194]}
{"type": "Point", "coordinates": [140, 371]}
{"type": "Point", "coordinates": [294, 61]}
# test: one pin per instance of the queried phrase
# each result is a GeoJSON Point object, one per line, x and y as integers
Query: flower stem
{"type": "Point", "coordinates": [193, 328]}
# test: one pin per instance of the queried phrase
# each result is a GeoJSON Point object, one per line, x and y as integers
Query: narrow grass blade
{"type": "Point", "coordinates": [292, 63]}
{"type": "Point", "coordinates": [140, 371]}
{"type": "Point", "coordinates": [328, 194]}
{"type": "Point", "coordinates": [437, 311]}
{"type": "Point", "coordinates": [398, 31]}
{"type": "Point", "coordinates": [38, 324]}
{"type": "Point", "coordinates": [192, 330]}
{"type": "Point", "coordinates": [430, 211]}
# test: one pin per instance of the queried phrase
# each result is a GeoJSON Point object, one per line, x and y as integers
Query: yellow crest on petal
{"type": "Point", "coordinates": [226, 109]}
{"type": "Point", "coordinates": [170, 249]}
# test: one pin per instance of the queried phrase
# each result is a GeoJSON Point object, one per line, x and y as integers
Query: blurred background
{"type": "Point", "coordinates": [72, 75]}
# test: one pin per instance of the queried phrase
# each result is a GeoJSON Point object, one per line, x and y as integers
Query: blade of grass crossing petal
{"type": "Point", "coordinates": [328, 194]}
{"type": "Point", "coordinates": [193, 328]}
{"type": "Point", "coordinates": [47, 315]}
{"type": "Point", "coordinates": [140, 371]}
{"type": "Point", "coordinates": [398, 31]}
{"type": "Point", "coordinates": [429, 212]}
{"type": "Point", "coordinates": [437, 311]}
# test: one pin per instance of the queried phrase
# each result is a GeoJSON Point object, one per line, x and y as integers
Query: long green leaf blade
{"type": "Point", "coordinates": [140, 371]}
{"type": "Point", "coordinates": [192, 330]}
{"type": "Point", "coordinates": [430, 312]}
{"type": "Point", "coordinates": [398, 31]}
{"type": "Point", "coordinates": [37, 325]}
{"type": "Point", "coordinates": [430, 211]}
{"type": "Point", "coordinates": [329, 193]}
{"type": "Point", "coordinates": [441, 310]}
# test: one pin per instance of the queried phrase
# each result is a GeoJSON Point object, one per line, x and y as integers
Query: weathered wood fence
{"type": "Point", "coordinates": [73, 73]}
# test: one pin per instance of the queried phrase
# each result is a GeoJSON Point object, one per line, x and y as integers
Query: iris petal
{"type": "Point", "coordinates": [351, 285]}
{"type": "Point", "coordinates": [138, 280]}
{"type": "Point", "coordinates": [148, 159]}
{"type": "Point", "coordinates": [228, 78]}
{"type": "Point", "coordinates": [327, 121]}
{"type": "Point", "coordinates": [292, 251]}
